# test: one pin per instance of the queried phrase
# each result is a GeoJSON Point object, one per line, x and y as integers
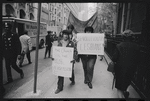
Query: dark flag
{"type": "Point", "coordinates": [80, 25]}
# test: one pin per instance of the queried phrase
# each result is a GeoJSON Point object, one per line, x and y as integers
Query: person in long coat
{"type": "Point", "coordinates": [126, 59]}
{"type": "Point", "coordinates": [88, 62]}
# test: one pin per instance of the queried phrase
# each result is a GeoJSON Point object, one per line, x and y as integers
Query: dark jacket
{"type": "Point", "coordinates": [11, 44]}
{"type": "Point", "coordinates": [127, 57]}
{"type": "Point", "coordinates": [48, 40]}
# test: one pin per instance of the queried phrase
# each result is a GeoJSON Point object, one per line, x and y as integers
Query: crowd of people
{"type": "Point", "coordinates": [125, 57]}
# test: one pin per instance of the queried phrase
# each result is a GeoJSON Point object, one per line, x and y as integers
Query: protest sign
{"type": "Point", "coordinates": [61, 65]}
{"type": "Point", "coordinates": [90, 43]}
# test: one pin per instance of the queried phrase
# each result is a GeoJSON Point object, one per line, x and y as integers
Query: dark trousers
{"type": "Point", "coordinates": [10, 61]}
{"type": "Point", "coordinates": [60, 82]}
{"type": "Point", "coordinates": [88, 63]}
{"type": "Point", "coordinates": [48, 49]}
{"type": "Point", "coordinates": [22, 57]}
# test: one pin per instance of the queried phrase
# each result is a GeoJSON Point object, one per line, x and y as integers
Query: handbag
{"type": "Point", "coordinates": [111, 66]}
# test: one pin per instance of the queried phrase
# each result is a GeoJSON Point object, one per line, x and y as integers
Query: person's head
{"type": "Point", "coordinates": [70, 27]}
{"type": "Point", "coordinates": [7, 27]}
{"type": "Point", "coordinates": [49, 32]}
{"type": "Point", "coordinates": [127, 34]}
{"type": "Point", "coordinates": [25, 32]}
{"type": "Point", "coordinates": [65, 35]}
{"type": "Point", "coordinates": [88, 29]}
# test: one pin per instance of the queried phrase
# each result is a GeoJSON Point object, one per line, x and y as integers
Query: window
{"type": "Point", "coordinates": [55, 11]}
{"type": "Point", "coordinates": [50, 7]}
{"type": "Point", "coordinates": [64, 20]}
{"type": "Point", "coordinates": [50, 17]}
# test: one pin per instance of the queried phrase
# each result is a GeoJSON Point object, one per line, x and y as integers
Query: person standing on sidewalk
{"type": "Point", "coordinates": [65, 42]}
{"type": "Point", "coordinates": [26, 47]}
{"type": "Point", "coordinates": [11, 48]}
{"type": "Point", "coordinates": [48, 44]}
{"type": "Point", "coordinates": [126, 59]}
{"type": "Point", "coordinates": [88, 62]}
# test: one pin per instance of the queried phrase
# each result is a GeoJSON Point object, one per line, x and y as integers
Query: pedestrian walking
{"type": "Point", "coordinates": [126, 59]}
{"type": "Point", "coordinates": [48, 44]}
{"type": "Point", "coordinates": [11, 48]}
{"type": "Point", "coordinates": [65, 42]}
{"type": "Point", "coordinates": [88, 62]}
{"type": "Point", "coordinates": [26, 47]}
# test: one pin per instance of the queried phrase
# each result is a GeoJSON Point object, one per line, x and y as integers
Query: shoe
{"type": "Point", "coordinates": [22, 74]}
{"type": "Point", "coordinates": [9, 81]}
{"type": "Point", "coordinates": [44, 57]}
{"type": "Point", "coordinates": [72, 83]}
{"type": "Point", "coordinates": [49, 57]}
{"type": "Point", "coordinates": [90, 85]}
{"type": "Point", "coordinates": [30, 62]}
{"type": "Point", "coordinates": [85, 82]}
{"type": "Point", "coordinates": [101, 59]}
{"type": "Point", "coordinates": [20, 65]}
{"type": "Point", "coordinates": [70, 79]}
{"type": "Point", "coordinates": [126, 94]}
{"type": "Point", "coordinates": [58, 90]}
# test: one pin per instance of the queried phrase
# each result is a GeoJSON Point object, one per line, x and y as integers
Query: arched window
{"type": "Point", "coordinates": [31, 16]}
{"type": "Point", "coordinates": [22, 14]}
{"type": "Point", "coordinates": [10, 10]}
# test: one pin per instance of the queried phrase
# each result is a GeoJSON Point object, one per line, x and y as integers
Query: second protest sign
{"type": "Point", "coordinates": [90, 43]}
{"type": "Point", "coordinates": [61, 66]}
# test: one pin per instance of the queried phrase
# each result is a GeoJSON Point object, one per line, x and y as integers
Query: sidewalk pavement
{"type": "Point", "coordinates": [47, 84]}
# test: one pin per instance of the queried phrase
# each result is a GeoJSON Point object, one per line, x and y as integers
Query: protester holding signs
{"type": "Point", "coordinates": [65, 42]}
{"type": "Point", "coordinates": [88, 62]}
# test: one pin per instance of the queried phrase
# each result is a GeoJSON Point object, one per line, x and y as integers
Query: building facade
{"type": "Point", "coordinates": [54, 14]}
{"type": "Point", "coordinates": [136, 17]}
{"type": "Point", "coordinates": [18, 10]}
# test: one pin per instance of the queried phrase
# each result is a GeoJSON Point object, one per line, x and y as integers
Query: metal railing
{"type": "Point", "coordinates": [141, 80]}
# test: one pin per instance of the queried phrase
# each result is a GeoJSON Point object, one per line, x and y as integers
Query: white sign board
{"type": "Point", "coordinates": [61, 65]}
{"type": "Point", "coordinates": [90, 43]}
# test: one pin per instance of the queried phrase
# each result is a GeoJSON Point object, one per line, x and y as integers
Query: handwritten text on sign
{"type": "Point", "coordinates": [61, 65]}
{"type": "Point", "coordinates": [90, 43]}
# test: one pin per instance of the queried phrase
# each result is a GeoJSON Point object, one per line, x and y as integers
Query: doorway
{"type": "Point", "coordinates": [20, 29]}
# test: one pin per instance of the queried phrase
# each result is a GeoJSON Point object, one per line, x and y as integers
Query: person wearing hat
{"type": "Point", "coordinates": [66, 42]}
{"type": "Point", "coordinates": [26, 47]}
{"type": "Point", "coordinates": [48, 44]}
{"type": "Point", "coordinates": [11, 48]}
{"type": "Point", "coordinates": [126, 58]}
